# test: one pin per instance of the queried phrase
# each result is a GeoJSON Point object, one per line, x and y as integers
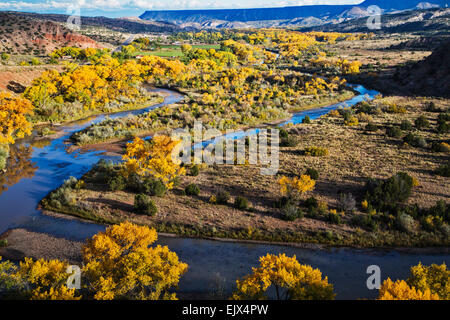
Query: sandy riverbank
{"type": "Point", "coordinates": [23, 243]}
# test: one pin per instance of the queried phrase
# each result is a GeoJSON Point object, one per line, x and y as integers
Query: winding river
{"type": "Point", "coordinates": [213, 265]}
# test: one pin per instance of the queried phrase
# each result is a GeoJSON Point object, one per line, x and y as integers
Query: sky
{"type": "Point", "coordinates": [129, 8]}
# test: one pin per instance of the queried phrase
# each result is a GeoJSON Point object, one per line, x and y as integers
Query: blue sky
{"type": "Point", "coordinates": [125, 8]}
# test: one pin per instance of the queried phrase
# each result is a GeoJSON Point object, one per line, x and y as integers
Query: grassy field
{"type": "Point", "coordinates": [175, 50]}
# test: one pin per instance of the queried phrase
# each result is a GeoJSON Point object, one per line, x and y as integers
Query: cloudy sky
{"type": "Point", "coordinates": [121, 8]}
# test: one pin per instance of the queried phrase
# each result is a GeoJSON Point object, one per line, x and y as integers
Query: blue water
{"type": "Point", "coordinates": [298, 117]}
{"type": "Point", "coordinates": [211, 263]}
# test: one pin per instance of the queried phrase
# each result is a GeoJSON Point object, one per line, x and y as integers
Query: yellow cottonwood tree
{"type": "Point", "coordinates": [13, 118]}
{"type": "Point", "coordinates": [400, 290]}
{"type": "Point", "coordinates": [120, 262]}
{"type": "Point", "coordinates": [293, 187]}
{"type": "Point", "coordinates": [290, 279]}
{"type": "Point", "coordinates": [154, 159]}
{"type": "Point", "coordinates": [435, 278]}
{"type": "Point", "coordinates": [46, 279]}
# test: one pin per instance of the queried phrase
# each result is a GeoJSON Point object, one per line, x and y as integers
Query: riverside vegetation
{"type": "Point", "coordinates": [373, 175]}
{"type": "Point", "coordinates": [123, 263]}
{"type": "Point", "coordinates": [354, 177]}
{"type": "Point", "coordinates": [317, 200]}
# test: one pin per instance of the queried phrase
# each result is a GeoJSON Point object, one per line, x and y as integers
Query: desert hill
{"type": "Point", "coordinates": [308, 15]}
{"type": "Point", "coordinates": [429, 77]}
{"type": "Point", "coordinates": [26, 35]}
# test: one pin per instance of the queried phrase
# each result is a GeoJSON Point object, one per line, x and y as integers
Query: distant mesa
{"type": "Point", "coordinates": [281, 16]}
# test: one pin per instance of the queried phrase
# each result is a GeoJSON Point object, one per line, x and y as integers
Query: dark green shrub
{"type": "Point", "coordinates": [194, 170]}
{"type": "Point", "coordinates": [406, 125]}
{"type": "Point", "coordinates": [442, 123]}
{"type": "Point", "coordinates": [443, 127]}
{"type": "Point", "coordinates": [192, 190]}
{"type": "Point", "coordinates": [283, 133]}
{"type": "Point", "coordinates": [444, 170]}
{"type": "Point", "coordinates": [440, 209]}
{"type": "Point", "coordinates": [241, 203]}
{"type": "Point", "coordinates": [117, 183]}
{"type": "Point", "coordinates": [222, 197]}
{"type": "Point", "coordinates": [289, 141]}
{"type": "Point", "coordinates": [371, 127]}
{"type": "Point", "coordinates": [313, 173]}
{"type": "Point", "coordinates": [345, 113]}
{"type": "Point", "coordinates": [154, 187]}
{"type": "Point", "coordinates": [421, 122]}
{"type": "Point", "coordinates": [282, 202]}
{"type": "Point", "coordinates": [415, 141]}
{"type": "Point", "coordinates": [286, 140]}
{"type": "Point", "coordinates": [365, 221]}
{"type": "Point", "coordinates": [135, 183]}
{"type": "Point", "coordinates": [311, 202]}
{"type": "Point", "coordinates": [334, 218]}
{"type": "Point", "coordinates": [443, 117]}
{"type": "Point", "coordinates": [144, 205]}
{"type": "Point", "coordinates": [306, 119]}
{"type": "Point", "coordinates": [385, 194]}
{"type": "Point", "coordinates": [291, 213]}
{"type": "Point", "coordinates": [3, 243]}
{"type": "Point", "coordinates": [393, 132]}
{"type": "Point", "coordinates": [364, 107]}
{"type": "Point", "coordinates": [104, 170]}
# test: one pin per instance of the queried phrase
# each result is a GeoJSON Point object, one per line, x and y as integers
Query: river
{"type": "Point", "coordinates": [43, 167]}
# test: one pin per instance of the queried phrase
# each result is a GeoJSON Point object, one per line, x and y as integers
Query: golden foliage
{"type": "Point", "coordinates": [400, 290]}
{"type": "Point", "coordinates": [120, 262]}
{"type": "Point", "coordinates": [13, 118]}
{"type": "Point", "coordinates": [154, 159]}
{"type": "Point", "coordinates": [435, 278]}
{"type": "Point", "coordinates": [46, 279]}
{"type": "Point", "coordinates": [290, 279]}
{"type": "Point", "coordinates": [292, 187]}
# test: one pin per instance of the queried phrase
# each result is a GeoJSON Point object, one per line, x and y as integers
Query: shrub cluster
{"type": "Point", "coordinates": [406, 125]}
{"type": "Point", "coordinates": [444, 170]}
{"type": "Point", "coordinates": [241, 203]}
{"type": "Point", "coordinates": [415, 140]}
{"type": "Point", "coordinates": [143, 204]}
{"type": "Point", "coordinates": [222, 197]}
{"type": "Point", "coordinates": [194, 170]}
{"type": "Point", "coordinates": [192, 190]}
{"type": "Point", "coordinates": [393, 132]}
{"type": "Point", "coordinates": [112, 175]}
{"type": "Point", "coordinates": [286, 140]}
{"type": "Point", "coordinates": [421, 122]}
{"type": "Point", "coordinates": [386, 194]}
{"type": "Point", "coordinates": [312, 173]}
{"type": "Point", "coordinates": [442, 123]}
{"type": "Point", "coordinates": [316, 151]}
{"type": "Point", "coordinates": [371, 127]}
{"type": "Point", "coordinates": [291, 212]}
